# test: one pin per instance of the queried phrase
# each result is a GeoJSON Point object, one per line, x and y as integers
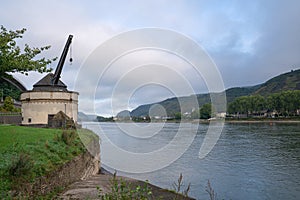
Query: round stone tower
{"type": "Point", "coordinates": [45, 100]}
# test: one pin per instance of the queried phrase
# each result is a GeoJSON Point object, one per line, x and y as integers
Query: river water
{"type": "Point", "coordinates": [249, 161]}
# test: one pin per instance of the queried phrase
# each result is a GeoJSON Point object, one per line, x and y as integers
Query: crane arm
{"type": "Point", "coordinates": [61, 62]}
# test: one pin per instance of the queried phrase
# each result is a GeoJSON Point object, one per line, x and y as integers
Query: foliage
{"type": "Point", "coordinates": [122, 190]}
{"type": "Point", "coordinates": [13, 59]}
{"type": "Point", "coordinates": [20, 165]}
{"type": "Point", "coordinates": [206, 111]}
{"type": "Point", "coordinates": [247, 104]}
{"type": "Point", "coordinates": [68, 137]}
{"type": "Point", "coordinates": [283, 82]}
{"type": "Point", "coordinates": [284, 103]}
{"type": "Point", "coordinates": [7, 89]}
{"type": "Point", "coordinates": [177, 116]}
{"type": "Point", "coordinates": [8, 105]}
{"type": "Point", "coordinates": [105, 119]}
{"type": "Point", "coordinates": [141, 119]}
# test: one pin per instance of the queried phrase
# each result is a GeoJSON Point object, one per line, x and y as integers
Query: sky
{"type": "Point", "coordinates": [248, 41]}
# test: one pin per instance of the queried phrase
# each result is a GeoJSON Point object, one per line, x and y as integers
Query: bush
{"type": "Point", "coordinates": [68, 137]}
{"type": "Point", "coordinates": [21, 166]}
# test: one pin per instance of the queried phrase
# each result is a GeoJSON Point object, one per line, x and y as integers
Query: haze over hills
{"type": "Point", "coordinates": [282, 82]}
{"type": "Point", "coordinates": [286, 81]}
{"type": "Point", "coordinates": [85, 117]}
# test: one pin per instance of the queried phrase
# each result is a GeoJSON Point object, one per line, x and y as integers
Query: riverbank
{"type": "Point", "coordinates": [266, 120]}
{"type": "Point", "coordinates": [247, 120]}
{"type": "Point", "coordinates": [39, 162]}
{"type": "Point", "coordinates": [101, 183]}
{"type": "Point", "coordinates": [227, 120]}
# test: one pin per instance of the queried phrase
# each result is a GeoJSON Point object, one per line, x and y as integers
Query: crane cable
{"type": "Point", "coordinates": [71, 59]}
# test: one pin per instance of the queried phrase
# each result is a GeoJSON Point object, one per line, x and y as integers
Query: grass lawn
{"type": "Point", "coordinates": [24, 135]}
{"type": "Point", "coordinates": [27, 153]}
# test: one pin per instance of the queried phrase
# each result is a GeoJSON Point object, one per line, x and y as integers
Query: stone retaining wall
{"type": "Point", "coordinates": [10, 119]}
{"type": "Point", "coordinates": [79, 168]}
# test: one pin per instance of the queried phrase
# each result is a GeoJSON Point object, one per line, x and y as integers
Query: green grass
{"type": "Point", "coordinates": [24, 135]}
{"type": "Point", "coordinates": [27, 153]}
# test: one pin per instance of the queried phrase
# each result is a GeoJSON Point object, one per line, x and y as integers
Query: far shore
{"type": "Point", "coordinates": [263, 121]}
{"type": "Point", "coordinates": [254, 121]}
{"type": "Point", "coordinates": [205, 121]}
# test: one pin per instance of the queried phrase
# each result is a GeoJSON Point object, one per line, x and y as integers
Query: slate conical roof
{"type": "Point", "coordinates": [45, 84]}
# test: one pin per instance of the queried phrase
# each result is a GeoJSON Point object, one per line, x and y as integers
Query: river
{"type": "Point", "coordinates": [249, 161]}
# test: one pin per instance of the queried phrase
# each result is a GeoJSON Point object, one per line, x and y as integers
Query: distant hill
{"type": "Point", "coordinates": [286, 81]}
{"type": "Point", "coordinates": [82, 117]}
{"type": "Point", "coordinates": [123, 114]}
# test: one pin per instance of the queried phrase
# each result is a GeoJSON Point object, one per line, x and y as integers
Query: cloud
{"type": "Point", "coordinates": [250, 41]}
{"type": "Point", "coordinates": [124, 83]}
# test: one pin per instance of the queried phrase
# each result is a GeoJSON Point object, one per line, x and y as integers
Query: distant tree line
{"type": "Point", "coordinates": [104, 119]}
{"type": "Point", "coordinates": [286, 103]}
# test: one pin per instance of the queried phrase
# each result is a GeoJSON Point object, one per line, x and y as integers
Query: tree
{"type": "Point", "coordinates": [178, 116]}
{"type": "Point", "coordinates": [13, 59]}
{"type": "Point", "coordinates": [206, 111]}
{"type": "Point", "coordinates": [8, 105]}
{"type": "Point", "coordinates": [284, 103]}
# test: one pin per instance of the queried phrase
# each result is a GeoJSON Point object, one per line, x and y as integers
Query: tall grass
{"type": "Point", "coordinates": [27, 153]}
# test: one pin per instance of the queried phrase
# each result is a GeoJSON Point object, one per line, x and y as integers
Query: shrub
{"type": "Point", "coordinates": [20, 166]}
{"type": "Point", "coordinates": [68, 137]}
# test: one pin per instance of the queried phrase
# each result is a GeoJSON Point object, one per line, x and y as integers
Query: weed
{"type": "Point", "coordinates": [68, 137]}
{"type": "Point", "coordinates": [210, 191]}
{"type": "Point", "coordinates": [123, 190]}
{"type": "Point", "coordinates": [21, 165]}
{"type": "Point", "coordinates": [177, 187]}
{"type": "Point", "coordinates": [47, 144]}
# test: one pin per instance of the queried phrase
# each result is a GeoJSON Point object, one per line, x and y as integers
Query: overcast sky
{"type": "Point", "coordinates": [249, 41]}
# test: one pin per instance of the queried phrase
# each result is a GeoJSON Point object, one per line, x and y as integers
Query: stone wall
{"type": "Point", "coordinates": [10, 119]}
{"type": "Point", "coordinates": [80, 168]}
